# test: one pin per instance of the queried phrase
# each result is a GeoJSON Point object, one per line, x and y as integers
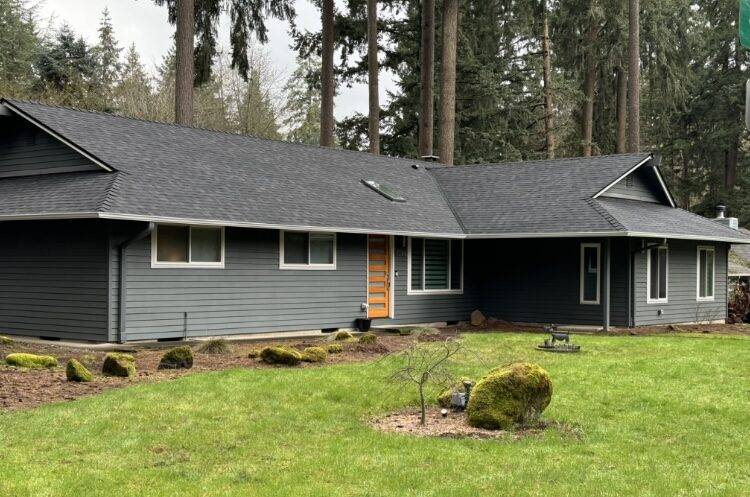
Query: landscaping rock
{"type": "Point", "coordinates": [281, 355]}
{"type": "Point", "coordinates": [177, 358]}
{"type": "Point", "coordinates": [30, 360]}
{"type": "Point", "coordinates": [253, 354]}
{"type": "Point", "coordinates": [75, 371]}
{"type": "Point", "coordinates": [314, 354]}
{"type": "Point", "coordinates": [5, 340]}
{"type": "Point", "coordinates": [343, 335]}
{"type": "Point", "coordinates": [368, 338]}
{"type": "Point", "coordinates": [335, 348]}
{"type": "Point", "coordinates": [477, 318]}
{"type": "Point", "coordinates": [509, 396]}
{"type": "Point", "coordinates": [444, 397]}
{"type": "Point", "coordinates": [215, 346]}
{"type": "Point", "coordinates": [118, 364]}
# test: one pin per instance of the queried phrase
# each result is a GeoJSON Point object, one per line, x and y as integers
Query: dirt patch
{"type": "Point", "coordinates": [454, 425]}
{"type": "Point", "coordinates": [27, 388]}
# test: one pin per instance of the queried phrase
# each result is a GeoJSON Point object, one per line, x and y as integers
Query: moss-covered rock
{"type": "Point", "coordinates": [253, 354]}
{"type": "Point", "coordinates": [343, 336]}
{"type": "Point", "coordinates": [335, 348]}
{"type": "Point", "coordinates": [281, 355]}
{"type": "Point", "coordinates": [444, 397]}
{"type": "Point", "coordinates": [368, 338]}
{"type": "Point", "coordinates": [5, 340]}
{"type": "Point", "coordinates": [215, 346]}
{"type": "Point", "coordinates": [177, 358]}
{"type": "Point", "coordinates": [118, 364]}
{"type": "Point", "coordinates": [75, 371]}
{"type": "Point", "coordinates": [508, 396]}
{"type": "Point", "coordinates": [314, 354]}
{"type": "Point", "coordinates": [22, 360]}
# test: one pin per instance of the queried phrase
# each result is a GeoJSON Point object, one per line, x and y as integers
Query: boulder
{"type": "Point", "coordinates": [477, 318]}
{"type": "Point", "coordinates": [368, 338]}
{"type": "Point", "coordinates": [177, 358]}
{"type": "Point", "coordinates": [335, 348]}
{"type": "Point", "coordinates": [22, 360]}
{"type": "Point", "coordinates": [509, 396]}
{"type": "Point", "coordinates": [75, 371]}
{"type": "Point", "coordinates": [281, 355]}
{"type": "Point", "coordinates": [314, 354]}
{"type": "Point", "coordinates": [118, 364]}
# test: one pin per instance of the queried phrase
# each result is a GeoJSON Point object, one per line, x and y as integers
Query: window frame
{"type": "Point", "coordinates": [657, 300]}
{"type": "Point", "coordinates": [423, 291]}
{"type": "Point", "coordinates": [706, 248]}
{"type": "Point", "coordinates": [157, 264]}
{"type": "Point", "coordinates": [581, 299]}
{"type": "Point", "coordinates": [309, 266]}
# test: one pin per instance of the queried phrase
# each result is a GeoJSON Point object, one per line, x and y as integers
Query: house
{"type": "Point", "coordinates": [739, 261]}
{"type": "Point", "coordinates": [117, 229]}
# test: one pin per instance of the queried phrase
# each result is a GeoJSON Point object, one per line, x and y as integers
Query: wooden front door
{"type": "Point", "coordinates": [378, 276]}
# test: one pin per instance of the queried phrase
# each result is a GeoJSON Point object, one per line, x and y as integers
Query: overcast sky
{"type": "Point", "coordinates": [143, 23]}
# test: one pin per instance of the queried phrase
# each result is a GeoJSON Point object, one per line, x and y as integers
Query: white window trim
{"type": "Point", "coordinates": [707, 248]}
{"type": "Point", "coordinates": [309, 266]}
{"type": "Point", "coordinates": [649, 300]}
{"type": "Point", "coordinates": [156, 264]}
{"type": "Point", "coordinates": [449, 290]}
{"type": "Point", "coordinates": [598, 247]}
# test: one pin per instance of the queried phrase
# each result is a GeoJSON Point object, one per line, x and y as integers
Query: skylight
{"type": "Point", "coordinates": [384, 190]}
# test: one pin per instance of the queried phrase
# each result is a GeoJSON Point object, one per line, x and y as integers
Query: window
{"type": "Point", "coordinates": [706, 273]}
{"type": "Point", "coordinates": [435, 266]}
{"type": "Point", "coordinates": [657, 271]}
{"type": "Point", "coordinates": [187, 246]}
{"type": "Point", "coordinates": [303, 250]}
{"type": "Point", "coordinates": [590, 273]}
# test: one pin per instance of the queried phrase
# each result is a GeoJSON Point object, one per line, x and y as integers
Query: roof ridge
{"type": "Point", "coordinates": [211, 130]}
{"type": "Point", "coordinates": [447, 201]}
{"type": "Point", "coordinates": [612, 220]}
{"type": "Point", "coordinates": [110, 193]}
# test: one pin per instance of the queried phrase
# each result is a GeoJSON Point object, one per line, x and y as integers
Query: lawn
{"type": "Point", "coordinates": [659, 416]}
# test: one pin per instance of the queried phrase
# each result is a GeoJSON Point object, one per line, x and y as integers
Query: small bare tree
{"type": "Point", "coordinates": [426, 362]}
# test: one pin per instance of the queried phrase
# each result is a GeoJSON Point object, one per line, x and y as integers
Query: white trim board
{"type": "Point", "coordinates": [309, 266]}
{"type": "Point", "coordinates": [598, 247]}
{"type": "Point", "coordinates": [156, 264]}
{"type": "Point", "coordinates": [706, 248]}
{"type": "Point", "coordinates": [656, 300]}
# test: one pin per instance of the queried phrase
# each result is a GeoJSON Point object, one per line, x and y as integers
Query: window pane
{"type": "Point", "coordinates": [662, 273]}
{"type": "Point", "coordinates": [436, 264]}
{"type": "Point", "coordinates": [701, 273]}
{"type": "Point", "coordinates": [172, 243]}
{"type": "Point", "coordinates": [590, 273]}
{"type": "Point", "coordinates": [295, 247]}
{"type": "Point", "coordinates": [321, 248]}
{"type": "Point", "coordinates": [710, 274]}
{"type": "Point", "coordinates": [416, 263]}
{"type": "Point", "coordinates": [205, 245]}
{"type": "Point", "coordinates": [456, 248]}
{"type": "Point", "coordinates": [653, 291]}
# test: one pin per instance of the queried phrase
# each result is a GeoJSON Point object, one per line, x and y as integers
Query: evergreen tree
{"type": "Point", "coordinates": [107, 54]}
{"type": "Point", "coordinates": [19, 44]}
{"type": "Point", "coordinates": [302, 108]}
{"type": "Point", "coordinates": [133, 92]}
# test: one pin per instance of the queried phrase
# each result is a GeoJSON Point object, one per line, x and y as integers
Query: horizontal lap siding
{"type": "Point", "coordinates": [53, 279]}
{"type": "Point", "coordinates": [250, 295]}
{"type": "Point", "coordinates": [682, 305]}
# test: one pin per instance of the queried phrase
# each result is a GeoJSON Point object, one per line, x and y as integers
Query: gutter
{"type": "Point", "coordinates": [122, 272]}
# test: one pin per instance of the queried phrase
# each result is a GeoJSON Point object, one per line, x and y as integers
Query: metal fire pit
{"type": "Point", "coordinates": [558, 342]}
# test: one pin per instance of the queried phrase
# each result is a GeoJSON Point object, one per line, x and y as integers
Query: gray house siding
{"type": "Point", "coordinates": [53, 279]}
{"type": "Point", "coordinates": [682, 305]}
{"type": "Point", "coordinates": [641, 184]}
{"type": "Point", "coordinates": [26, 150]}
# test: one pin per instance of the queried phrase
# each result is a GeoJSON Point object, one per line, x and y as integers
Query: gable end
{"type": "Point", "coordinates": [643, 183]}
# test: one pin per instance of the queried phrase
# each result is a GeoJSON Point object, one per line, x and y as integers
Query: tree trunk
{"type": "Point", "coordinates": [427, 62]}
{"type": "Point", "coordinates": [589, 87]}
{"type": "Point", "coordinates": [549, 111]}
{"type": "Point", "coordinates": [447, 126]}
{"type": "Point", "coordinates": [184, 70]}
{"type": "Point", "coordinates": [634, 77]}
{"type": "Point", "coordinates": [372, 66]}
{"type": "Point", "coordinates": [422, 403]}
{"type": "Point", "coordinates": [730, 165]}
{"type": "Point", "coordinates": [622, 110]}
{"type": "Point", "coordinates": [327, 82]}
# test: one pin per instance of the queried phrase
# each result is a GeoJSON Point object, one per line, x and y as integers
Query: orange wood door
{"type": "Point", "coordinates": [379, 276]}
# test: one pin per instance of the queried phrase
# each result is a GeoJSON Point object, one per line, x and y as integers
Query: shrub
{"type": "Point", "coordinates": [31, 360]}
{"type": "Point", "coordinates": [343, 335]}
{"type": "Point", "coordinates": [177, 358]}
{"type": "Point", "coordinates": [314, 354]}
{"type": "Point", "coordinates": [215, 346]}
{"type": "Point", "coordinates": [404, 331]}
{"type": "Point", "coordinates": [444, 397]}
{"type": "Point", "coordinates": [75, 371]}
{"type": "Point", "coordinates": [508, 396]}
{"type": "Point", "coordinates": [368, 338]}
{"type": "Point", "coordinates": [5, 340]}
{"type": "Point", "coordinates": [117, 364]}
{"type": "Point", "coordinates": [335, 348]}
{"type": "Point", "coordinates": [281, 355]}
{"type": "Point", "coordinates": [254, 354]}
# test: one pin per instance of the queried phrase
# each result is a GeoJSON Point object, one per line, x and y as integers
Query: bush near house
{"type": "Point", "coordinates": [335, 348]}
{"type": "Point", "coordinates": [75, 371]}
{"type": "Point", "coordinates": [368, 338]}
{"type": "Point", "coordinates": [253, 354]}
{"type": "Point", "coordinates": [281, 355]}
{"type": "Point", "coordinates": [30, 360]}
{"type": "Point", "coordinates": [117, 364]}
{"type": "Point", "coordinates": [5, 340]}
{"type": "Point", "coordinates": [215, 346]}
{"type": "Point", "coordinates": [343, 335]}
{"type": "Point", "coordinates": [314, 354]}
{"type": "Point", "coordinates": [177, 358]}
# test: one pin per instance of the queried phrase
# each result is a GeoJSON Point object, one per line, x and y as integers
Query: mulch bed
{"type": "Point", "coordinates": [27, 388]}
{"type": "Point", "coordinates": [454, 425]}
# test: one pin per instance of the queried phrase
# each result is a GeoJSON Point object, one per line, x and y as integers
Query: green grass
{"type": "Point", "coordinates": [660, 416]}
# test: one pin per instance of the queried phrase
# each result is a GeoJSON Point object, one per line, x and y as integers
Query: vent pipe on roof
{"type": "Point", "coordinates": [730, 222]}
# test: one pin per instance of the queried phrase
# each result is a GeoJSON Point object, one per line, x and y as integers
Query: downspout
{"type": "Point", "coordinates": [605, 300]}
{"type": "Point", "coordinates": [122, 270]}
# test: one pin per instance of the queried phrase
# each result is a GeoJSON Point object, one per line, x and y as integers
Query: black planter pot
{"type": "Point", "coordinates": [363, 324]}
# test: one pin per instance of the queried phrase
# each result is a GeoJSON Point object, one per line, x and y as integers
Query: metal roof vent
{"type": "Point", "coordinates": [384, 190]}
{"type": "Point", "coordinates": [731, 222]}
